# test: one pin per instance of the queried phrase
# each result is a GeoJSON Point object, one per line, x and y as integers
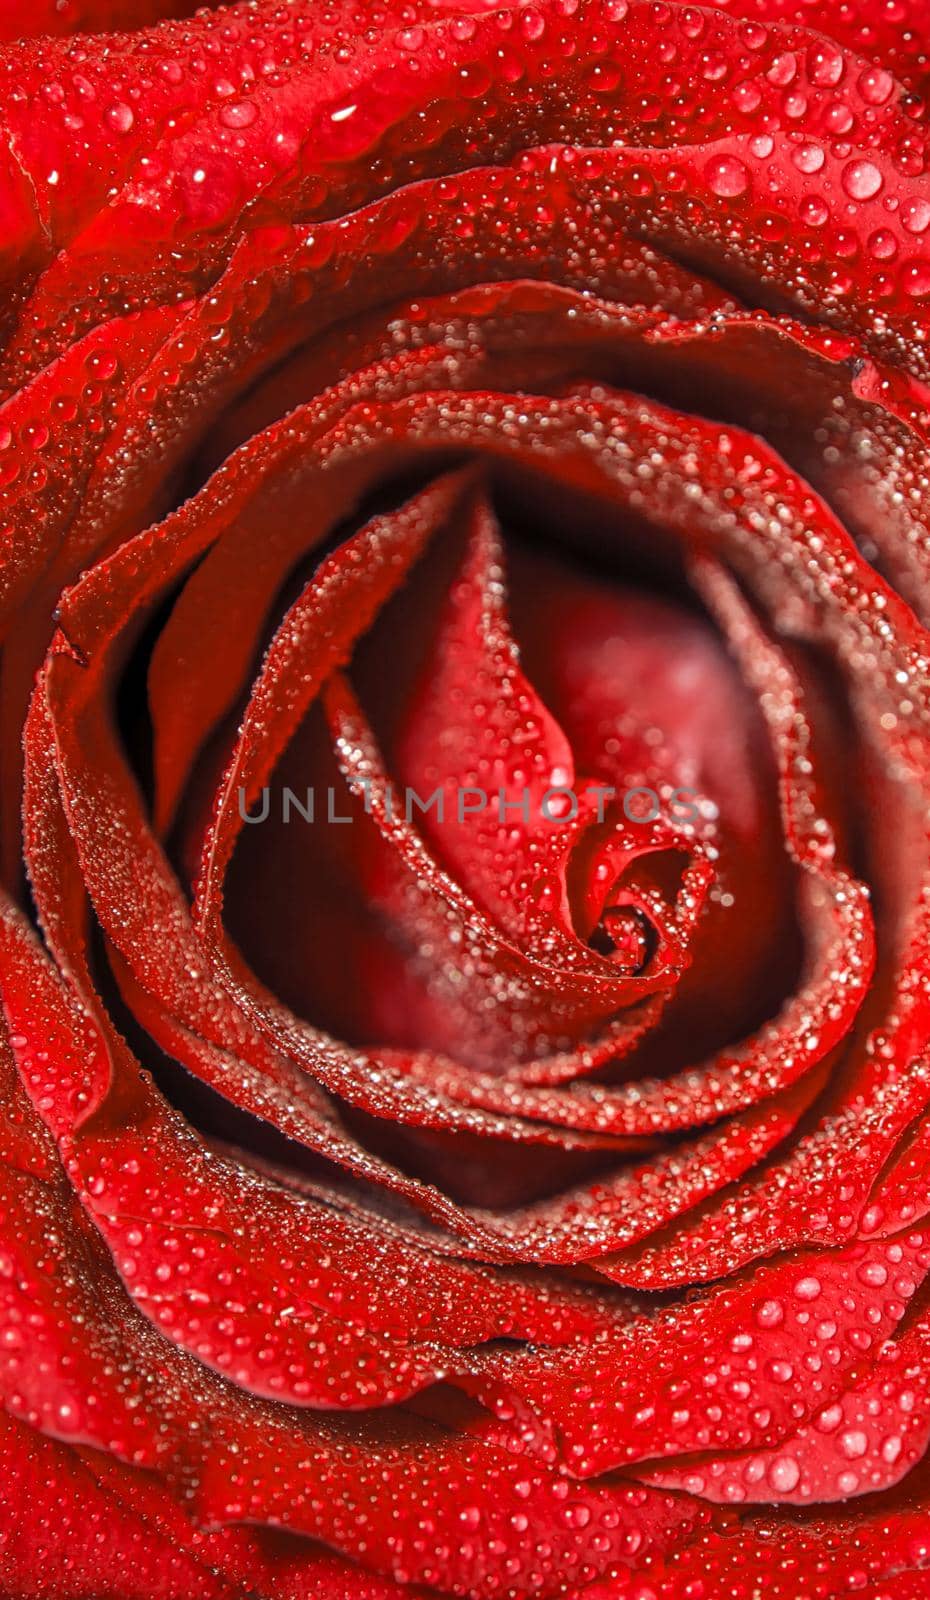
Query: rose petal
{"type": "Point", "coordinates": [24, 19]}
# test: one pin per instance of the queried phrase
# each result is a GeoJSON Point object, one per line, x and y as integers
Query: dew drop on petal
{"type": "Point", "coordinates": [808, 157]}
{"type": "Point", "coordinates": [814, 210]}
{"type": "Point", "coordinates": [916, 279]}
{"type": "Point", "coordinates": [727, 176]}
{"type": "Point", "coordinates": [826, 65]}
{"type": "Point", "coordinates": [876, 85]}
{"type": "Point", "coordinates": [238, 114]}
{"type": "Point", "coordinates": [915, 216]}
{"type": "Point", "coordinates": [119, 117]}
{"type": "Point", "coordinates": [861, 180]}
{"type": "Point", "coordinates": [883, 245]}
{"type": "Point", "coordinates": [784, 1474]}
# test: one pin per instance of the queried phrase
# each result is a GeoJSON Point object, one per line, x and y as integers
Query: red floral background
{"type": "Point", "coordinates": [464, 396]}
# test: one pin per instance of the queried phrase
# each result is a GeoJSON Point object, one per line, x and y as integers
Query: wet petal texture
{"type": "Point", "coordinates": [23, 19]}
{"type": "Point", "coordinates": [464, 776]}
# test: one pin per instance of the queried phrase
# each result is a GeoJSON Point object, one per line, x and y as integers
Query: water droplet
{"type": "Point", "coordinates": [808, 157]}
{"type": "Point", "coordinates": [238, 114]}
{"type": "Point", "coordinates": [119, 117]}
{"type": "Point", "coordinates": [916, 279]}
{"type": "Point", "coordinates": [915, 216]}
{"type": "Point", "coordinates": [883, 244]}
{"type": "Point", "coordinates": [826, 65]}
{"type": "Point", "coordinates": [784, 70]}
{"type": "Point", "coordinates": [746, 97]}
{"type": "Point", "coordinates": [838, 117]}
{"type": "Point", "coordinates": [727, 176]}
{"type": "Point", "coordinates": [784, 1474]}
{"type": "Point", "coordinates": [814, 210]}
{"type": "Point", "coordinates": [876, 85]}
{"type": "Point", "coordinates": [861, 180]}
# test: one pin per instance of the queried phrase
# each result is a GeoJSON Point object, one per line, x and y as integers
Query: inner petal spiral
{"type": "Point", "coordinates": [583, 761]}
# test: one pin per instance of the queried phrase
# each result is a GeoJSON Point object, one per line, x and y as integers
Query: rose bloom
{"type": "Point", "coordinates": [523, 1192]}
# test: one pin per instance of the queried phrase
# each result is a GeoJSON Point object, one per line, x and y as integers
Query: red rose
{"type": "Point", "coordinates": [466, 754]}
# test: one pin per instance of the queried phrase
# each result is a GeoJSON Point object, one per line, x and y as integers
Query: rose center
{"type": "Point", "coordinates": [626, 936]}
